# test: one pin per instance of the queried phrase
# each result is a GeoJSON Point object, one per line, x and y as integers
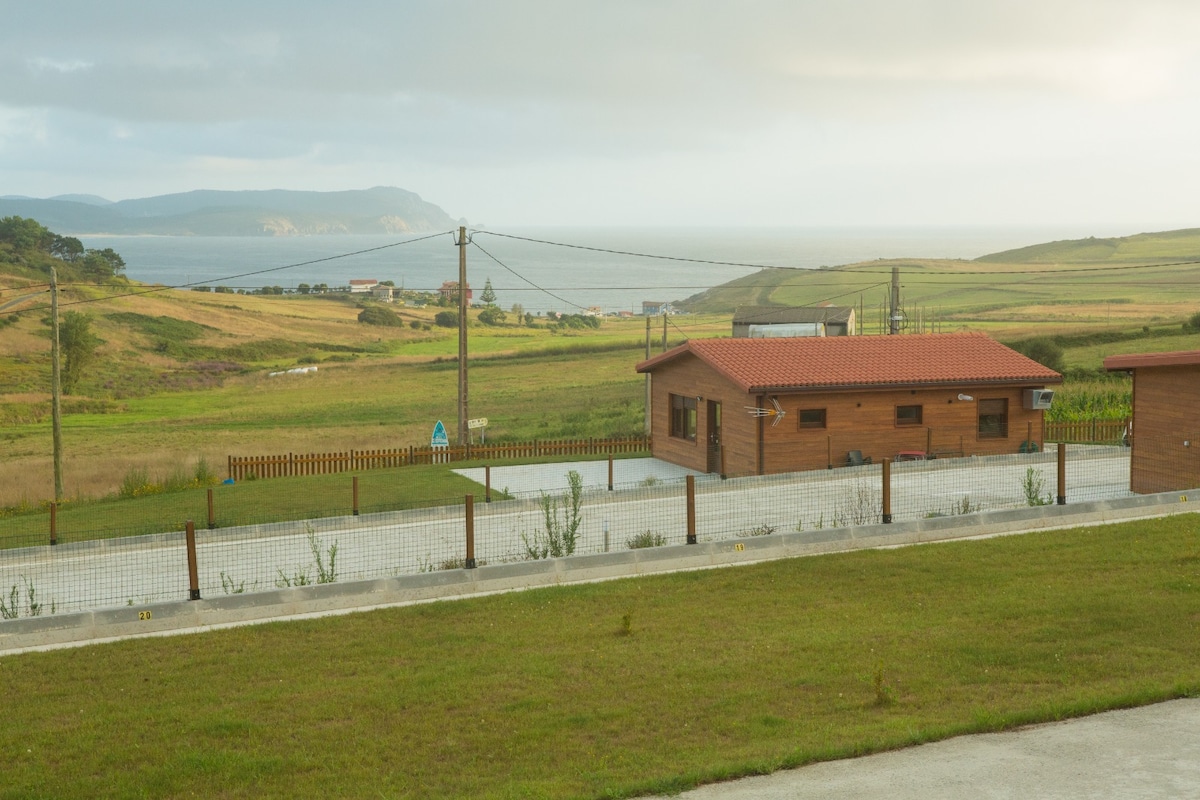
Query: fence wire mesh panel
{"type": "Point", "coordinates": [135, 570]}
{"type": "Point", "coordinates": [553, 525]}
{"type": "Point", "coordinates": [539, 511]}
{"type": "Point", "coordinates": [1098, 472]}
{"type": "Point", "coordinates": [284, 555]}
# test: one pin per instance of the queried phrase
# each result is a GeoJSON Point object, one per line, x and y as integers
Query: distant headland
{"type": "Point", "coordinates": [274, 212]}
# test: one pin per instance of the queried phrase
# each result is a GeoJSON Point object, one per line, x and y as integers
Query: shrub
{"type": "Point", "coordinates": [560, 534]}
{"type": "Point", "coordinates": [378, 315]}
{"type": "Point", "coordinates": [1033, 485]}
{"type": "Point", "coordinates": [446, 319]}
{"type": "Point", "coordinates": [492, 316]}
{"type": "Point", "coordinates": [647, 539]}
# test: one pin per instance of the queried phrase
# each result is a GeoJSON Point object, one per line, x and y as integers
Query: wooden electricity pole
{"type": "Point", "coordinates": [462, 337]}
{"type": "Point", "coordinates": [56, 387]}
{"type": "Point", "coordinates": [647, 376]}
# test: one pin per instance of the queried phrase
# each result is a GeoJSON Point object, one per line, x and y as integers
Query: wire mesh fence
{"type": "Point", "coordinates": [564, 516]}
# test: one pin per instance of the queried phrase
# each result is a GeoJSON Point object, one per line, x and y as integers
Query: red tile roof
{"type": "Point", "coordinates": [1178, 358]}
{"type": "Point", "coordinates": [860, 361]}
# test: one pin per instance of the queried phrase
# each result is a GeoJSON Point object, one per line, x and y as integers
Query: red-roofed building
{"type": "Point", "coordinates": [1165, 450]}
{"type": "Point", "coordinates": [760, 406]}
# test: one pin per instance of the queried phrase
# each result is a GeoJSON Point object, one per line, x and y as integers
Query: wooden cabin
{"type": "Point", "coordinates": [1165, 441]}
{"type": "Point", "coordinates": [760, 406]}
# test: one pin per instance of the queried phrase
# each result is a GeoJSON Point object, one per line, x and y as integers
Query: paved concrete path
{"type": "Point", "coordinates": [1148, 752]}
{"type": "Point", "coordinates": [531, 479]}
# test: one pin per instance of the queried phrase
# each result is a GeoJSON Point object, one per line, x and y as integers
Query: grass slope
{"type": "Point", "coordinates": [617, 689]}
{"type": "Point", "coordinates": [1140, 248]}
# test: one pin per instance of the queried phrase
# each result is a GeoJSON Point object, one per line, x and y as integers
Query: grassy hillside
{"type": "Point", "coordinates": [185, 375]}
{"type": "Point", "coordinates": [1141, 248]}
{"type": "Point", "coordinates": [1060, 287]}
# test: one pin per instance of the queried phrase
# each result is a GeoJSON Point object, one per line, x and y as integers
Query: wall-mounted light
{"type": "Point", "coordinates": [965, 397]}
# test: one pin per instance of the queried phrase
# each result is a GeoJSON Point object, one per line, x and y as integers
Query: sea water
{"type": "Point", "coordinates": [552, 269]}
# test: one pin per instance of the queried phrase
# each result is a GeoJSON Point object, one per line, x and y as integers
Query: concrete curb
{"type": "Point", "coordinates": [66, 630]}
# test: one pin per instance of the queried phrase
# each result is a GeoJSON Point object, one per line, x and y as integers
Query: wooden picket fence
{"type": "Point", "coordinates": [290, 464]}
{"type": "Point", "coordinates": [1089, 431]}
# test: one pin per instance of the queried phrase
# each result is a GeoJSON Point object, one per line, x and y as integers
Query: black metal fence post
{"type": "Point", "coordinates": [470, 522]}
{"type": "Point", "coordinates": [691, 509]}
{"type": "Point", "coordinates": [1062, 474]}
{"type": "Point", "coordinates": [887, 491]}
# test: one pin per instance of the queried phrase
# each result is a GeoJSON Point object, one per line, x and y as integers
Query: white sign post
{"type": "Point", "coordinates": [481, 424]}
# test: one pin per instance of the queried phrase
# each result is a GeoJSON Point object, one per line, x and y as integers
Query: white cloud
{"type": "Point", "coordinates": [43, 64]}
{"type": "Point", "coordinates": [675, 110]}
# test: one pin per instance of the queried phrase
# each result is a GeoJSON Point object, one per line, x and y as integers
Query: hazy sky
{"type": "Point", "coordinates": [659, 112]}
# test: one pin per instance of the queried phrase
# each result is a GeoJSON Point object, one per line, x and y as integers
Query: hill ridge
{"type": "Point", "coordinates": [260, 212]}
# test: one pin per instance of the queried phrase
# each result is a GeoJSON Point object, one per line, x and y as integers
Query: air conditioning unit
{"type": "Point", "coordinates": [1038, 399]}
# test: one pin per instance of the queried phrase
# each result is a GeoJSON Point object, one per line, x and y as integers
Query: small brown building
{"type": "Point", "coordinates": [1165, 445]}
{"type": "Point", "coordinates": [759, 406]}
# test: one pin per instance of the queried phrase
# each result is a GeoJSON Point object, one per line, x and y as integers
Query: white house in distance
{"type": "Point", "coordinates": [652, 308]}
{"type": "Point", "coordinates": [362, 285]}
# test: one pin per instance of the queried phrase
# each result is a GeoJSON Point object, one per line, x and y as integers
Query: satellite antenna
{"type": "Point", "coordinates": [777, 412]}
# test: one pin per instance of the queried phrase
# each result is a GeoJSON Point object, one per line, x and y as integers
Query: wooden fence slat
{"type": "Point", "coordinates": [292, 464]}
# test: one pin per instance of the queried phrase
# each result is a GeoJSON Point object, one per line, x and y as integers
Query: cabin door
{"type": "Point", "coordinates": [715, 460]}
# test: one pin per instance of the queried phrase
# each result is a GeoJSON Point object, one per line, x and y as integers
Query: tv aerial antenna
{"type": "Point", "coordinates": [776, 411]}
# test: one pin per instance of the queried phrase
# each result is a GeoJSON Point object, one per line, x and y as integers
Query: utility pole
{"type": "Point", "coordinates": [894, 312]}
{"type": "Point", "coordinates": [647, 424]}
{"type": "Point", "coordinates": [664, 345]}
{"type": "Point", "coordinates": [56, 387]}
{"type": "Point", "coordinates": [462, 336]}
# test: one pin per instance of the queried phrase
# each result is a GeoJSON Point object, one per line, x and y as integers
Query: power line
{"type": "Point", "coordinates": [634, 254]}
{"type": "Point", "coordinates": [522, 277]}
{"type": "Point", "coordinates": [155, 289]}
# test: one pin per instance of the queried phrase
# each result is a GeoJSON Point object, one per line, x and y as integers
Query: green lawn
{"type": "Point", "coordinates": [245, 503]}
{"type": "Point", "coordinates": [622, 688]}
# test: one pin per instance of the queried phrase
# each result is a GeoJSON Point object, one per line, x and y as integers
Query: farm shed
{"type": "Point", "coordinates": [765, 322]}
{"type": "Point", "coordinates": [760, 406]}
{"type": "Point", "coordinates": [1164, 450]}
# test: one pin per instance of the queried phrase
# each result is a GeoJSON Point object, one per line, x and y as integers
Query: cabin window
{"type": "Point", "coordinates": [812, 418]}
{"type": "Point", "coordinates": [993, 419]}
{"type": "Point", "coordinates": [908, 415]}
{"type": "Point", "coordinates": [683, 417]}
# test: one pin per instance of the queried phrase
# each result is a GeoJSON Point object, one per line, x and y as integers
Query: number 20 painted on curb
{"type": "Point", "coordinates": [144, 615]}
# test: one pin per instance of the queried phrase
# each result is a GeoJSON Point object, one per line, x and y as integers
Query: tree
{"type": "Point", "coordinates": [102, 264]}
{"type": "Point", "coordinates": [25, 234]}
{"type": "Point", "coordinates": [1043, 350]}
{"type": "Point", "coordinates": [303, 288]}
{"type": "Point", "coordinates": [446, 319]}
{"type": "Point", "coordinates": [67, 248]}
{"type": "Point", "coordinates": [492, 316]}
{"type": "Point", "coordinates": [78, 346]}
{"type": "Point", "coordinates": [489, 295]}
